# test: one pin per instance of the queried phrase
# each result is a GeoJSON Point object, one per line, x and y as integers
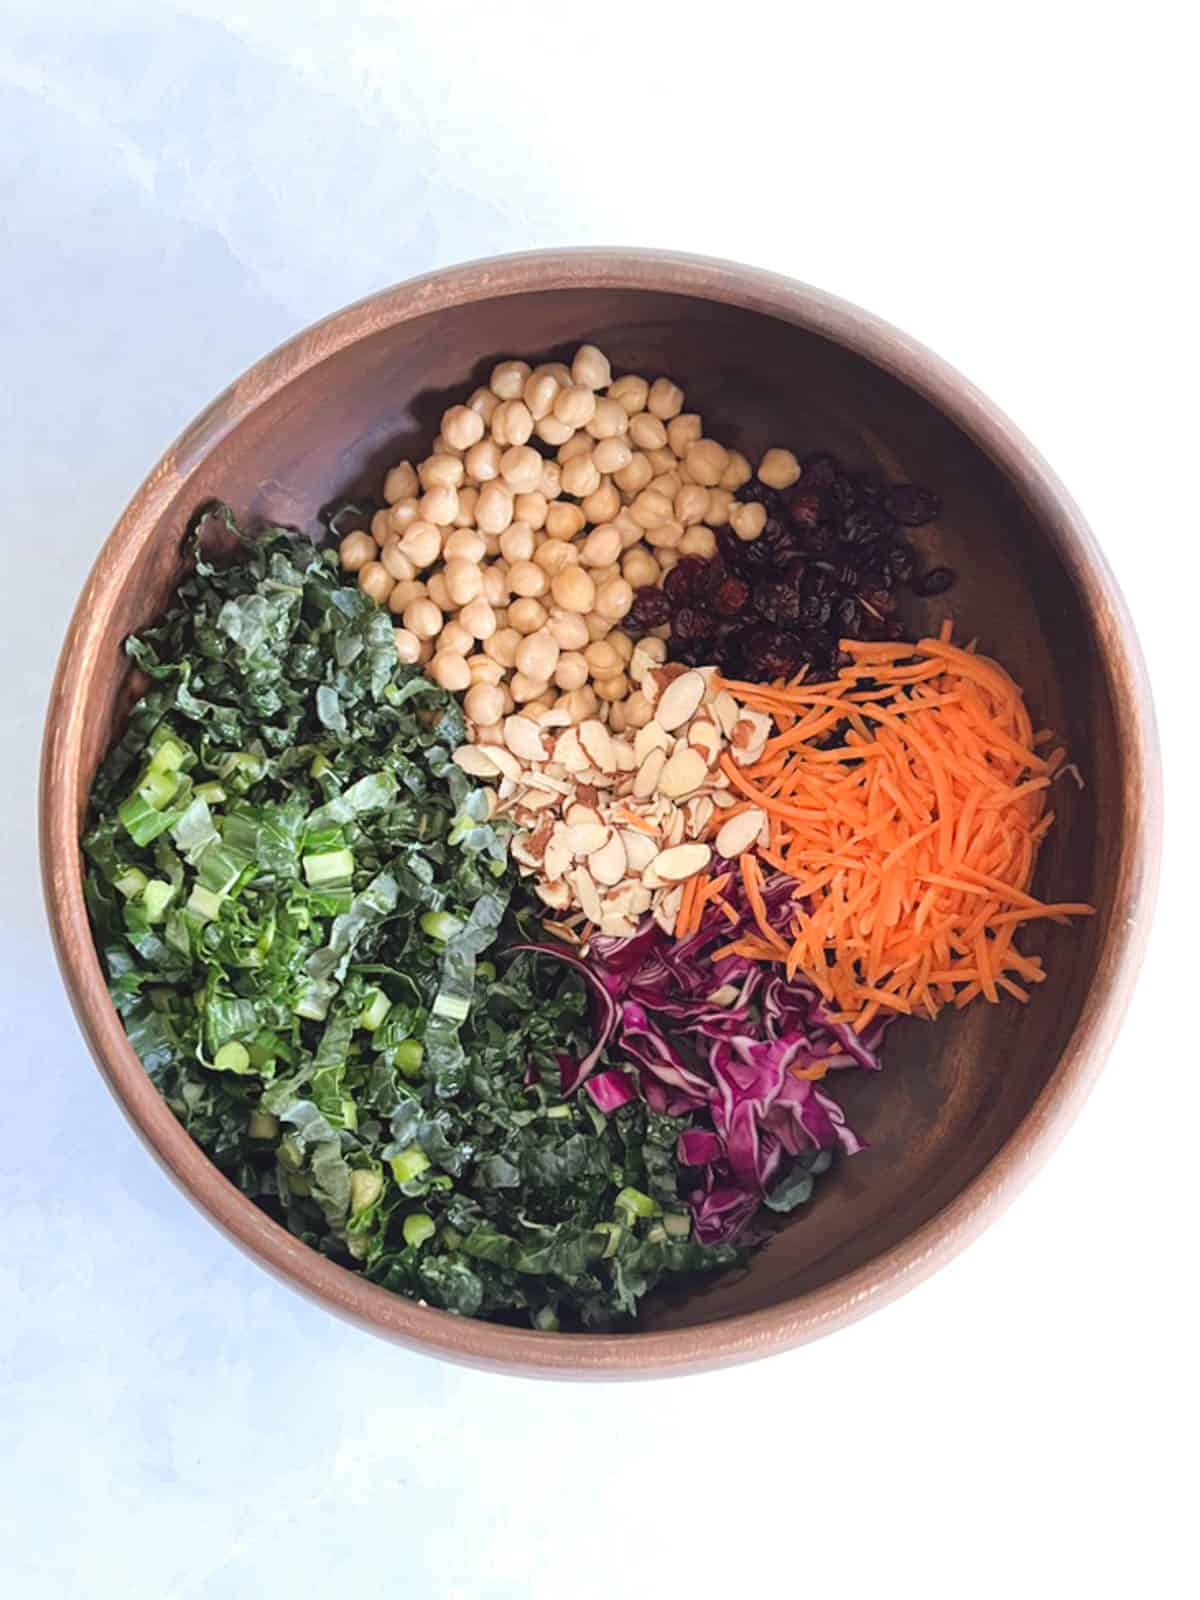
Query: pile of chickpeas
{"type": "Point", "coordinates": [511, 568]}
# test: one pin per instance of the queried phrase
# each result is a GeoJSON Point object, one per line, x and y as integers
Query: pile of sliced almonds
{"type": "Point", "coordinates": [614, 824]}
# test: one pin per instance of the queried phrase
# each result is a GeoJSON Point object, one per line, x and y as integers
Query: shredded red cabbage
{"type": "Point", "coordinates": [749, 1031]}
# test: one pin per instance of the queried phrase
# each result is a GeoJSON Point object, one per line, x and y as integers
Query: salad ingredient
{"type": "Point", "coordinates": [299, 901]}
{"type": "Point", "coordinates": [906, 804]}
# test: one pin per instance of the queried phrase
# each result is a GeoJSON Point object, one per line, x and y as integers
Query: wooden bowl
{"type": "Point", "coordinates": [966, 1109]}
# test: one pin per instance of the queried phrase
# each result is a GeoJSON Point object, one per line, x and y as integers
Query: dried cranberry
{"type": "Point", "coordinates": [936, 581]}
{"type": "Point", "coordinates": [773, 654]}
{"type": "Point", "coordinates": [818, 470]}
{"type": "Point", "coordinates": [731, 596]}
{"type": "Point", "coordinates": [650, 609]}
{"type": "Point", "coordinates": [807, 507]}
{"type": "Point", "coordinates": [762, 493]}
{"type": "Point", "coordinates": [866, 525]}
{"type": "Point", "coordinates": [893, 628]}
{"type": "Point", "coordinates": [881, 601]}
{"type": "Point", "coordinates": [819, 580]}
{"type": "Point", "coordinates": [912, 505]}
{"type": "Point", "coordinates": [778, 600]}
{"type": "Point", "coordinates": [680, 583]}
{"type": "Point", "coordinates": [849, 618]}
{"type": "Point", "coordinates": [819, 541]}
{"type": "Point", "coordinates": [689, 625]}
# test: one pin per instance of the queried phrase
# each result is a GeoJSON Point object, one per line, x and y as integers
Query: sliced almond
{"type": "Point", "coordinates": [523, 738]}
{"type": "Point", "coordinates": [585, 892]}
{"type": "Point", "coordinates": [581, 813]}
{"type": "Point", "coordinates": [556, 895]}
{"type": "Point", "coordinates": [674, 828]}
{"type": "Point", "coordinates": [706, 737]}
{"type": "Point", "coordinates": [726, 710]}
{"type": "Point", "coordinates": [641, 900]}
{"type": "Point", "coordinates": [568, 752]}
{"type": "Point", "coordinates": [652, 737]}
{"type": "Point", "coordinates": [564, 930]}
{"type": "Point", "coordinates": [617, 927]}
{"type": "Point", "coordinates": [649, 773]}
{"type": "Point", "coordinates": [750, 734]}
{"type": "Point", "coordinates": [666, 909]}
{"type": "Point", "coordinates": [607, 865]}
{"type": "Point", "coordinates": [623, 751]}
{"type": "Point", "coordinates": [597, 741]}
{"type": "Point", "coordinates": [724, 996]}
{"type": "Point", "coordinates": [739, 833]}
{"type": "Point", "coordinates": [640, 849]}
{"type": "Point", "coordinates": [679, 700]}
{"type": "Point", "coordinates": [474, 761]}
{"type": "Point", "coordinates": [506, 762]}
{"type": "Point", "coordinates": [556, 862]}
{"type": "Point", "coordinates": [539, 779]}
{"type": "Point", "coordinates": [684, 861]}
{"type": "Point", "coordinates": [657, 679]}
{"type": "Point", "coordinates": [697, 813]}
{"type": "Point", "coordinates": [581, 838]}
{"type": "Point", "coordinates": [723, 797]}
{"type": "Point", "coordinates": [686, 770]}
{"type": "Point", "coordinates": [523, 850]}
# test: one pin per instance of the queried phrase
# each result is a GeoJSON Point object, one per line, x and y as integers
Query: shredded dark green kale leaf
{"type": "Point", "coordinates": [293, 890]}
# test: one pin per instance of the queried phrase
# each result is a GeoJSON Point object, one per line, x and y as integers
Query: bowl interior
{"type": "Point", "coordinates": [952, 1093]}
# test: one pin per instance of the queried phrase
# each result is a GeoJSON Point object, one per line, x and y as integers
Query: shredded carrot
{"type": "Point", "coordinates": [911, 840]}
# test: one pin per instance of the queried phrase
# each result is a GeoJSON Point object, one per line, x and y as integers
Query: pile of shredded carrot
{"type": "Point", "coordinates": [911, 838]}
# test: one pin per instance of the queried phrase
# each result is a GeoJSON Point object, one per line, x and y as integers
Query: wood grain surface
{"type": "Point", "coordinates": [966, 1108]}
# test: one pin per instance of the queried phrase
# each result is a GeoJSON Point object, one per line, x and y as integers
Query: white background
{"type": "Point", "coordinates": [186, 183]}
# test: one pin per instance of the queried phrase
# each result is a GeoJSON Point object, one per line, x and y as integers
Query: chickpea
{"type": "Point", "coordinates": [690, 504]}
{"type": "Point", "coordinates": [462, 427]}
{"type": "Point", "coordinates": [450, 671]}
{"type": "Point", "coordinates": [720, 504]}
{"type": "Point", "coordinates": [495, 583]}
{"type": "Point", "coordinates": [591, 368]}
{"type": "Point", "coordinates": [598, 627]}
{"type": "Point", "coordinates": [748, 520]}
{"type": "Point", "coordinates": [551, 431]}
{"type": "Point", "coordinates": [634, 477]}
{"type": "Point", "coordinates": [698, 540]}
{"type": "Point", "coordinates": [439, 505]}
{"type": "Point", "coordinates": [573, 590]}
{"type": "Point", "coordinates": [539, 394]}
{"type": "Point", "coordinates": [530, 509]}
{"type": "Point", "coordinates": [508, 379]}
{"type": "Point", "coordinates": [577, 445]}
{"type": "Point", "coordinates": [640, 569]}
{"type": "Point", "coordinates": [440, 447]}
{"type": "Point", "coordinates": [612, 689]}
{"type": "Point", "coordinates": [355, 550]}
{"type": "Point", "coordinates": [612, 455]}
{"type": "Point", "coordinates": [517, 542]}
{"type": "Point", "coordinates": [609, 420]}
{"type": "Point", "coordinates": [454, 639]}
{"type": "Point", "coordinates": [603, 574]}
{"type": "Point", "coordinates": [683, 432]}
{"type": "Point", "coordinates": [666, 536]}
{"type": "Point", "coordinates": [706, 461]}
{"type": "Point", "coordinates": [440, 472]}
{"type": "Point", "coordinates": [527, 615]}
{"type": "Point", "coordinates": [524, 689]}
{"type": "Point", "coordinates": [651, 509]}
{"type": "Point", "coordinates": [602, 659]}
{"type": "Point", "coordinates": [464, 544]}
{"type": "Point", "coordinates": [437, 591]}
{"type": "Point", "coordinates": [381, 527]}
{"type": "Point", "coordinates": [779, 469]}
{"type": "Point", "coordinates": [511, 422]}
{"type": "Point", "coordinates": [737, 471]}
{"type": "Point", "coordinates": [404, 594]}
{"type": "Point", "coordinates": [631, 534]}
{"type": "Point", "coordinates": [564, 521]}
{"type": "Point", "coordinates": [408, 646]}
{"type": "Point", "coordinates": [574, 406]}
{"type": "Point", "coordinates": [579, 704]}
{"type": "Point", "coordinates": [483, 401]}
{"type": "Point", "coordinates": [478, 619]}
{"type": "Point", "coordinates": [667, 483]}
{"type": "Point", "coordinates": [375, 580]}
{"type": "Point", "coordinates": [494, 508]}
{"type": "Point", "coordinates": [655, 647]}
{"type": "Point", "coordinates": [423, 618]}
{"type": "Point", "coordinates": [571, 671]}
{"type": "Point", "coordinates": [579, 477]}
{"type": "Point", "coordinates": [617, 720]}
{"type": "Point", "coordinates": [614, 598]}
{"type": "Point", "coordinates": [396, 562]}
{"type": "Point", "coordinates": [485, 670]}
{"type": "Point", "coordinates": [638, 710]}
{"type": "Point", "coordinates": [502, 647]}
{"type": "Point", "coordinates": [667, 559]}
{"type": "Point", "coordinates": [602, 546]}
{"type": "Point", "coordinates": [491, 546]}
{"type": "Point", "coordinates": [464, 581]}
{"type": "Point", "coordinates": [647, 432]}
{"type": "Point", "coordinates": [482, 461]}
{"type": "Point", "coordinates": [603, 504]}
{"type": "Point", "coordinates": [489, 733]}
{"type": "Point", "coordinates": [551, 485]}
{"type": "Point", "coordinates": [468, 499]}
{"type": "Point", "coordinates": [665, 399]}
{"type": "Point", "coordinates": [631, 393]}
{"type": "Point", "coordinates": [569, 629]}
{"type": "Point", "coordinates": [526, 579]}
{"type": "Point", "coordinates": [556, 370]}
{"type": "Point", "coordinates": [521, 468]}
{"type": "Point", "coordinates": [537, 655]}
{"type": "Point", "coordinates": [402, 514]}
{"type": "Point", "coordinates": [553, 555]}
{"type": "Point", "coordinates": [400, 483]}
{"type": "Point", "coordinates": [484, 703]}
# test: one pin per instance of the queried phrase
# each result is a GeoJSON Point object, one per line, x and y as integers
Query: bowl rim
{"type": "Point", "coordinates": [751, 1334]}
